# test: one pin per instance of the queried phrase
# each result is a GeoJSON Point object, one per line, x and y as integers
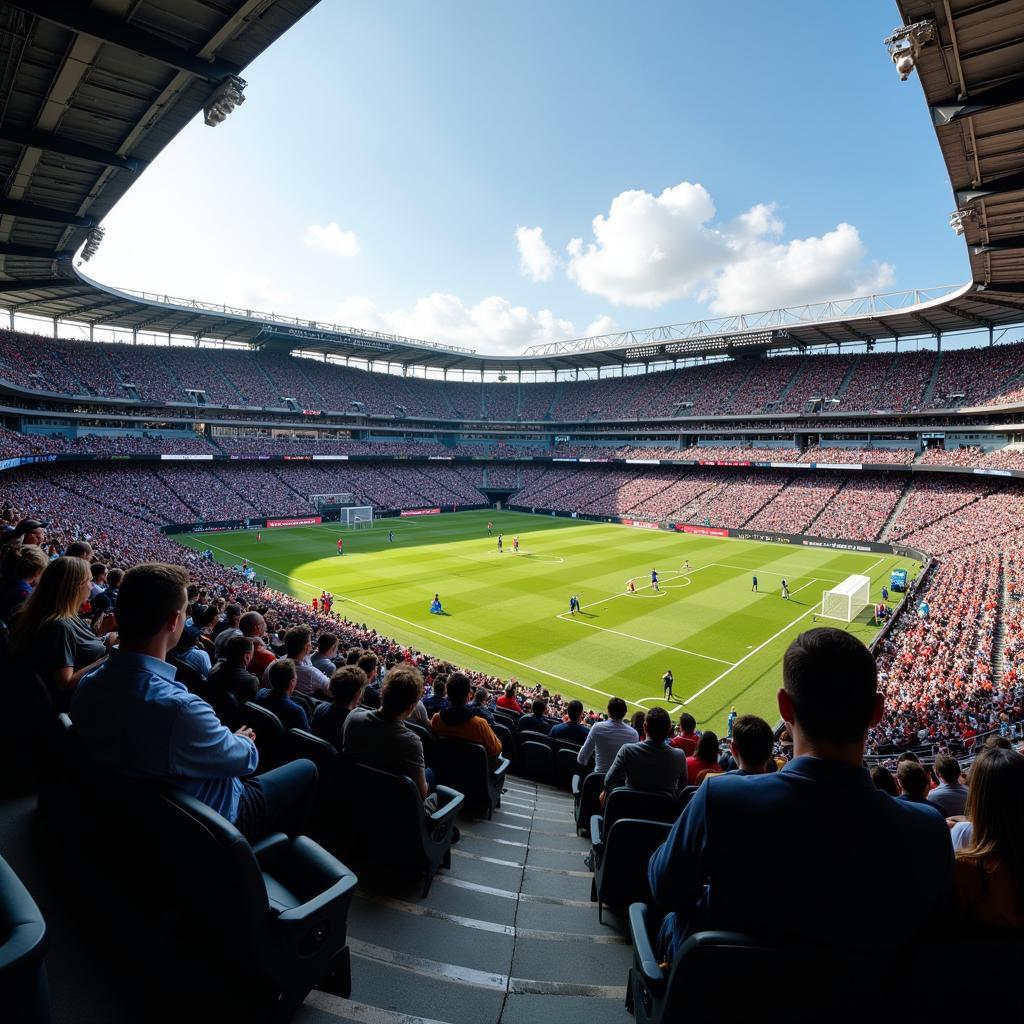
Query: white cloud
{"type": "Point", "coordinates": [649, 250]}
{"type": "Point", "coordinates": [331, 238]}
{"type": "Point", "coordinates": [537, 260]}
{"type": "Point", "coordinates": [492, 325]}
{"type": "Point", "coordinates": [767, 275]}
{"type": "Point", "coordinates": [603, 324]}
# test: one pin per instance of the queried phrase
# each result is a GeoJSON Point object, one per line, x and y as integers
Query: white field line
{"type": "Point", "coordinates": [427, 629]}
{"type": "Point", "coordinates": [654, 643]}
{"type": "Point", "coordinates": [805, 586]}
{"type": "Point", "coordinates": [750, 654]}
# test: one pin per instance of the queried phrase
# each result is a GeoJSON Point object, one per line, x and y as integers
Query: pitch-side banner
{"type": "Point", "coordinates": [304, 521]}
{"type": "Point", "coordinates": [641, 524]}
{"type": "Point", "coordinates": [421, 512]}
{"type": "Point", "coordinates": [702, 531]}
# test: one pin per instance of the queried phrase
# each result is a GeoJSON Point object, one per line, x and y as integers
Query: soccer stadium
{"type": "Point", "coordinates": [457, 665]}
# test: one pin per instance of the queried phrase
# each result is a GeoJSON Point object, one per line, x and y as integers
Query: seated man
{"type": "Point", "coordinates": [950, 796]}
{"type": "Point", "coordinates": [650, 764]}
{"type": "Point", "coordinates": [380, 739]}
{"type": "Point", "coordinates": [913, 780]}
{"type": "Point", "coordinates": [573, 731]}
{"type": "Point", "coordinates": [298, 646]}
{"type": "Point", "coordinates": [752, 743]}
{"type": "Point", "coordinates": [438, 700]}
{"type": "Point", "coordinates": [232, 675]}
{"type": "Point", "coordinates": [277, 697]}
{"type": "Point", "coordinates": [605, 738]}
{"type": "Point", "coordinates": [841, 835]}
{"type": "Point", "coordinates": [535, 720]}
{"type": "Point", "coordinates": [134, 717]}
{"type": "Point", "coordinates": [686, 739]}
{"type": "Point", "coordinates": [254, 628]}
{"type": "Point", "coordinates": [435, 606]}
{"type": "Point", "coordinates": [462, 721]}
{"type": "Point", "coordinates": [326, 651]}
{"type": "Point", "coordinates": [347, 684]}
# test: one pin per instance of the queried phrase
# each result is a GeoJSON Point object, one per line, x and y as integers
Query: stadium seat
{"type": "Point", "coordinates": [509, 743]}
{"type": "Point", "coordinates": [24, 993]}
{"type": "Point", "coordinates": [506, 718]}
{"type": "Point", "coordinates": [743, 970]}
{"type": "Point", "coordinates": [587, 792]}
{"type": "Point", "coordinates": [270, 735]}
{"type": "Point", "coordinates": [426, 738]}
{"type": "Point", "coordinates": [628, 802]}
{"type": "Point", "coordinates": [566, 765]}
{"type": "Point", "coordinates": [386, 818]}
{"type": "Point", "coordinates": [464, 767]}
{"type": "Point", "coordinates": [683, 797]}
{"type": "Point", "coordinates": [537, 760]}
{"type": "Point", "coordinates": [27, 718]}
{"type": "Point", "coordinates": [277, 909]}
{"type": "Point", "coordinates": [225, 704]}
{"type": "Point", "coordinates": [309, 704]}
{"type": "Point", "coordinates": [621, 877]}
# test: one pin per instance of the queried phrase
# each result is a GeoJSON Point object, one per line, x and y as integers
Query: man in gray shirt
{"type": "Point", "coordinates": [950, 796]}
{"type": "Point", "coordinates": [605, 738]}
{"type": "Point", "coordinates": [652, 764]}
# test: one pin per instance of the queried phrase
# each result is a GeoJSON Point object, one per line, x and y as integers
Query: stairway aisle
{"type": "Point", "coordinates": [507, 936]}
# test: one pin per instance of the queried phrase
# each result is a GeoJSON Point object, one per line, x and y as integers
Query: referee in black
{"type": "Point", "coordinates": [668, 680]}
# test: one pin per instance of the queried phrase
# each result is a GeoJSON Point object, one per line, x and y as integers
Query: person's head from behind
{"type": "Point", "coordinates": [995, 808]}
{"type": "Point", "coordinates": [326, 645]}
{"type": "Point", "coordinates": [752, 742]}
{"type": "Point", "coordinates": [458, 689]}
{"type": "Point", "coordinates": [114, 577]}
{"type": "Point", "coordinates": [151, 608]}
{"type": "Point", "coordinates": [368, 663]}
{"type": "Point", "coordinates": [947, 769]}
{"type": "Point", "coordinates": [913, 780]}
{"type": "Point", "coordinates": [26, 563]}
{"type": "Point", "coordinates": [574, 710]}
{"type": "Point", "coordinates": [539, 707]}
{"type": "Point", "coordinates": [440, 687]}
{"type": "Point", "coordinates": [232, 614]}
{"type": "Point", "coordinates": [401, 690]}
{"type": "Point", "coordinates": [829, 698]}
{"type": "Point", "coordinates": [238, 651]}
{"type": "Point", "coordinates": [707, 748]}
{"type": "Point", "coordinates": [637, 721]}
{"type": "Point", "coordinates": [510, 689]}
{"type": "Point", "coordinates": [617, 709]}
{"type": "Point", "coordinates": [252, 624]}
{"type": "Point", "coordinates": [281, 676]}
{"type": "Point", "coordinates": [298, 642]}
{"type": "Point", "coordinates": [687, 723]}
{"type": "Point", "coordinates": [79, 549]}
{"type": "Point", "coordinates": [481, 698]}
{"type": "Point", "coordinates": [884, 780]}
{"type": "Point", "coordinates": [62, 588]}
{"type": "Point", "coordinates": [354, 654]}
{"type": "Point", "coordinates": [658, 725]}
{"type": "Point", "coordinates": [347, 685]}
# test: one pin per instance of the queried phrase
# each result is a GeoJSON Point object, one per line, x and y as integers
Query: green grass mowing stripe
{"type": "Point", "coordinates": [427, 629]}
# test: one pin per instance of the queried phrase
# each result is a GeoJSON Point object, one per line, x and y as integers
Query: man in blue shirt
{"type": "Point", "coordinates": [134, 717]}
{"type": "Point", "coordinates": [839, 837]}
{"type": "Point", "coordinates": [573, 731]}
{"type": "Point", "coordinates": [277, 697]}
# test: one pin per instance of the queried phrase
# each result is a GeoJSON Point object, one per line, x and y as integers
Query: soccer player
{"type": "Point", "coordinates": [515, 544]}
{"type": "Point", "coordinates": [258, 536]}
{"type": "Point", "coordinates": [686, 566]}
{"type": "Point", "coordinates": [391, 536]}
{"type": "Point", "coordinates": [499, 544]}
{"type": "Point", "coordinates": [753, 587]}
{"type": "Point", "coordinates": [490, 527]}
{"type": "Point", "coordinates": [341, 546]}
{"type": "Point", "coordinates": [435, 606]}
{"type": "Point", "coordinates": [654, 579]}
{"type": "Point", "coordinates": [630, 586]}
{"type": "Point", "coordinates": [574, 605]}
{"type": "Point", "coordinates": [885, 593]}
{"type": "Point", "coordinates": [668, 680]}
{"type": "Point", "coordinates": [785, 590]}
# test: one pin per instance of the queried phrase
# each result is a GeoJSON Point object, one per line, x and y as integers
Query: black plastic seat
{"type": "Point", "coordinates": [426, 738]}
{"type": "Point", "coordinates": [29, 709]}
{"type": "Point", "coordinates": [224, 703]}
{"type": "Point", "coordinates": [277, 909]}
{"type": "Point", "coordinates": [509, 742]}
{"type": "Point", "coordinates": [587, 792]}
{"type": "Point", "coordinates": [270, 735]}
{"type": "Point", "coordinates": [683, 797]}
{"type": "Point", "coordinates": [628, 802]}
{"type": "Point", "coordinates": [621, 876]}
{"type": "Point", "coordinates": [566, 765]}
{"type": "Point", "coordinates": [537, 761]}
{"type": "Point", "coordinates": [746, 968]}
{"type": "Point", "coordinates": [385, 818]}
{"type": "Point", "coordinates": [463, 766]}
{"type": "Point", "coordinates": [24, 992]}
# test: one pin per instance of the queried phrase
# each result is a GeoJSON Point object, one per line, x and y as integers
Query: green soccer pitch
{"type": "Point", "coordinates": [508, 614]}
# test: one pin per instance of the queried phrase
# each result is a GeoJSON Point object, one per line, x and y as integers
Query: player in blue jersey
{"type": "Point", "coordinates": [574, 605]}
{"type": "Point", "coordinates": [654, 579]}
{"type": "Point", "coordinates": [753, 585]}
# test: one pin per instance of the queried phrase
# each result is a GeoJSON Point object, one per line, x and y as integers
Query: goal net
{"type": "Point", "coordinates": [356, 517]}
{"type": "Point", "coordinates": [845, 601]}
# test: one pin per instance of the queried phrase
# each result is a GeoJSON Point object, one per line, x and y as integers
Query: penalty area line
{"type": "Point", "coordinates": [427, 629]}
{"type": "Point", "coordinates": [565, 616]}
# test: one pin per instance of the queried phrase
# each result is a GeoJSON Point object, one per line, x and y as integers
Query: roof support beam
{"type": "Point", "coordinates": [33, 211]}
{"type": "Point", "coordinates": [990, 99]}
{"type": "Point", "coordinates": [30, 251]}
{"type": "Point", "coordinates": [51, 143]}
{"type": "Point", "coordinates": [33, 284]}
{"type": "Point", "coordinates": [89, 21]}
{"type": "Point", "coordinates": [993, 187]}
{"type": "Point", "coordinates": [1000, 244]}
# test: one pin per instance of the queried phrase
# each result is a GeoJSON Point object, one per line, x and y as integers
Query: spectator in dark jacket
{"type": "Point", "coordinates": [232, 675]}
{"type": "Point", "coordinates": [346, 690]}
{"type": "Point", "coordinates": [278, 696]}
{"type": "Point", "coordinates": [573, 731]}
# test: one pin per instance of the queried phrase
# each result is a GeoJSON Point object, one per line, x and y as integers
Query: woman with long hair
{"type": "Point", "coordinates": [704, 760]}
{"type": "Point", "coordinates": [989, 880]}
{"type": "Point", "coordinates": [49, 634]}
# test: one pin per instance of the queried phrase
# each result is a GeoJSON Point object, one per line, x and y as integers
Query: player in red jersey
{"type": "Point", "coordinates": [341, 545]}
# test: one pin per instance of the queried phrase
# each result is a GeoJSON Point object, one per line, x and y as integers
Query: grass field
{"type": "Point", "coordinates": [508, 614]}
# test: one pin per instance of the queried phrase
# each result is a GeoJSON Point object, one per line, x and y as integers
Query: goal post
{"type": "Point", "coordinates": [845, 601]}
{"type": "Point", "coordinates": [356, 517]}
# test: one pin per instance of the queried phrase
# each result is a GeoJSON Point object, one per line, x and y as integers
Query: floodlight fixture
{"type": "Point", "coordinates": [92, 243]}
{"type": "Point", "coordinates": [227, 96]}
{"type": "Point", "coordinates": [958, 218]}
{"type": "Point", "coordinates": [906, 43]}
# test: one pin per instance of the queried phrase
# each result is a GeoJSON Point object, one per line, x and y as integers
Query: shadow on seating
{"type": "Point", "coordinates": [463, 766]}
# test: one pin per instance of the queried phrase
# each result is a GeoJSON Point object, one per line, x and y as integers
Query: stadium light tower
{"type": "Point", "coordinates": [92, 243]}
{"type": "Point", "coordinates": [906, 43]}
{"type": "Point", "coordinates": [227, 96]}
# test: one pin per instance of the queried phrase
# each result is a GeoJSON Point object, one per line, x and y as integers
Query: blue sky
{"type": "Point", "coordinates": [741, 155]}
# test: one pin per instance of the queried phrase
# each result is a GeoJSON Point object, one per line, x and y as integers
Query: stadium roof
{"type": "Point", "coordinates": [91, 94]}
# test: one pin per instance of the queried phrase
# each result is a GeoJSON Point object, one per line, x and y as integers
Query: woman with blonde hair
{"type": "Point", "coordinates": [989, 880]}
{"type": "Point", "coordinates": [48, 633]}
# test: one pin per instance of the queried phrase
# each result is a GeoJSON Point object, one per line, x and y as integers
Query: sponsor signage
{"type": "Point", "coordinates": [643, 462]}
{"type": "Point", "coordinates": [839, 545]}
{"type": "Point", "coordinates": [722, 462]}
{"type": "Point", "coordinates": [789, 465]}
{"type": "Point", "coordinates": [304, 521]}
{"type": "Point", "coordinates": [640, 524]}
{"type": "Point", "coordinates": [280, 332]}
{"type": "Point", "coordinates": [330, 458]}
{"type": "Point", "coordinates": [992, 472]}
{"type": "Point", "coordinates": [771, 538]}
{"type": "Point", "coordinates": [297, 458]}
{"type": "Point", "coordinates": [701, 531]}
{"type": "Point", "coordinates": [840, 465]}
{"type": "Point", "coordinates": [441, 458]}
{"type": "Point", "coordinates": [172, 457]}
{"type": "Point", "coordinates": [312, 412]}
{"type": "Point", "coordinates": [420, 512]}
